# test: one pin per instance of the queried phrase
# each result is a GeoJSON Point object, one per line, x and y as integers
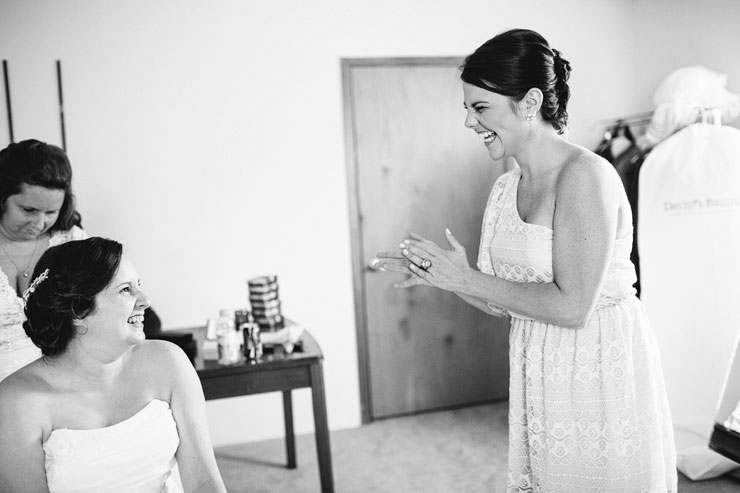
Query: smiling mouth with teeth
{"type": "Point", "coordinates": [487, 136]}
{"type": "Point", "coordinates": [136, 320]}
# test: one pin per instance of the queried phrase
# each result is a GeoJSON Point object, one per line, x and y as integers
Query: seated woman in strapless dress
{"type": "Point", "coordinates": [103, 409]}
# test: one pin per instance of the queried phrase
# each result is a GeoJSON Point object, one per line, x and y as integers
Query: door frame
{"type": "Point", "coordinates": [359, 268]}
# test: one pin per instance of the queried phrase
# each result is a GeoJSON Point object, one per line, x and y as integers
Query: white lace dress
{"type": "Point", "coordinates": [587, 407]}
{"type": "Point", "coordinates": [16, 349]}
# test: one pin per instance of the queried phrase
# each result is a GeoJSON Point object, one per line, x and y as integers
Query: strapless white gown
{"type": "Point", "coordinates": [135, 455]}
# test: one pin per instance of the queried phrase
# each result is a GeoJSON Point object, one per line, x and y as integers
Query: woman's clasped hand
{"type": "Point", "coordinates": [427, 263]}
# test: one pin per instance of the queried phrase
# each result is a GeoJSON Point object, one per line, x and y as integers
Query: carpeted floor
{"type": "Point", "coordinates": [462, 450]}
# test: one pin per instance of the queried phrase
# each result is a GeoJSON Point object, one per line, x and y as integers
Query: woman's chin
{"type": "Point", "coordinates": [495, 153]}
{"type": "Point", "coordinates": [28, 236]}
{"type": "Point", "coordinates": [137, 330]}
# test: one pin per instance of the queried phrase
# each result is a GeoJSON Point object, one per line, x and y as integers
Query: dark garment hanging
{"type": "Point", "coordinates": [627, 163]}
{"type": "Point", "coordinates": [620, 131]}
{"type": "Point", "coordinates": [604, 149]}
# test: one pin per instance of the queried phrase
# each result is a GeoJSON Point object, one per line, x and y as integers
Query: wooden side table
{"type": "Point", "coordinates": [274, 372]}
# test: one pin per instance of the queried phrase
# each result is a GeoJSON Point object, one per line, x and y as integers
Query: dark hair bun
{"type": "Point", "coordinates": [562, 73]}
{"type": "Point", "coordinates": [54, 312]}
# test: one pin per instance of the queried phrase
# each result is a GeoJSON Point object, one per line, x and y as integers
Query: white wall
{"type": "Point", "coordinates": [207, 137]}
{"type": "Point", "coordinates": [681, 33]}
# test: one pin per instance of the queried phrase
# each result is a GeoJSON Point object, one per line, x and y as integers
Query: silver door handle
{"type": "Point", "coordinates": [370, 265]}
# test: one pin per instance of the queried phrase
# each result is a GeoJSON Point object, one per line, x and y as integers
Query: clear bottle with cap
{"type": "Point", "coordinates": [227, 337]}
{"type": "Point", "coordinates": [225, 321]}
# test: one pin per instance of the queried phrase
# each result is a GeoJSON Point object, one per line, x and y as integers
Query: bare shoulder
{"type": "Point", "coordinates": [24, 396]}
{"type": "Point", "coordinates": [13, 392]}
{"type": "Point", "coordinates": [160, 367]}
{"type": "Point", "coordinates": [159, 355]}
{"type": "Point", "coordinates": [585, 173]}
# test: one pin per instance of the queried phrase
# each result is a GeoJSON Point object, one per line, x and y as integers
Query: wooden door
{"type": "Point", "coordinates": [413, 166]}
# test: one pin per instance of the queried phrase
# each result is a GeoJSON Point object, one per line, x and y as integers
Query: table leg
{"type": "Point", "coordinates": [289, 434]}
{"type": "Point", "coordinates": [321, 428]}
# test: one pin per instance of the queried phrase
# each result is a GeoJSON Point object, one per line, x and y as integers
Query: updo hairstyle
{"type": "Point", "coordinates": [31, 162]}
{"type": "Point", "coordinates": [516, 61]}
{"type": "Point", "coordinates": [78, 271]}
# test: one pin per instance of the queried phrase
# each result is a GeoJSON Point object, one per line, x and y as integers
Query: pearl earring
{"type": "Point", "coordinates": [530, 117]}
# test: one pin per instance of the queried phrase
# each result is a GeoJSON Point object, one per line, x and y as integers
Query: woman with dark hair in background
{"type": "Point", "coordinates": [587, 404]}
{"type": "Point", "coordinates": [103, 409]}
{"type": "Point", "coordinates": [37, 210]}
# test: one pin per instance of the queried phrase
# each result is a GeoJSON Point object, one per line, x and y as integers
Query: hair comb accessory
{"type": "Point", "coordinates": [34, 285]}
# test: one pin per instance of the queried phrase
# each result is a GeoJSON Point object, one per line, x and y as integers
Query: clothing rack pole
{"type": "Point", "coordinates": [7, 100]}
{"type": "Point", "coordinates": [629, 119]}
{"type": "Point", "coordinates": [61, 104]}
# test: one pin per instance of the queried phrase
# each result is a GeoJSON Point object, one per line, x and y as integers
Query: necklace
{"type": "Point", "coordinates": [23, 272]}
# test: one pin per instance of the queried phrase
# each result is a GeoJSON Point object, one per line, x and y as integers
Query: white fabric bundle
{"type": "Point", "coordinates": [687, 94]}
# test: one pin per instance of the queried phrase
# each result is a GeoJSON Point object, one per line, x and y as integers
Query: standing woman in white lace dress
{"type": "Point", "coordinates": [37, 210]}
{"type": "Point", "coordinates": [587, 404]}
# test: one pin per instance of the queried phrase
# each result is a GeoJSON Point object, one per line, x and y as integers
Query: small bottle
{"type": "Point", "coordinates": [241, 316]}
{"type": "Point", "coordinates": [227, 337]}
{"type": "Point", "coordinates": [252, 341]}
{"type": "Point", "coordinates": [225, 320]}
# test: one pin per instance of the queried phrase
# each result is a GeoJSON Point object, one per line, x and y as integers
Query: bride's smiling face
{"type": "Point", "coordinates": [495, 119]}
{"type": "Point", "coordinates": [118, 317]}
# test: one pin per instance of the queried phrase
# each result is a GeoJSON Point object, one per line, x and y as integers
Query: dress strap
{"type": "Point", "coordinates": [490, 218]}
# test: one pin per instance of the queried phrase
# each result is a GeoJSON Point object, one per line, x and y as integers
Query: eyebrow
{"type": "Point", "coordinates": [128, 283]}
{"type": "Point", "coordinates": [37, 209]}
{"type": "Point", "coordinates": [465, 105]}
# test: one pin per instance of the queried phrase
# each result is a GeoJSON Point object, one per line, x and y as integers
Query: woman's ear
{"type": "Point", "coordinates": [80, 327]}
{"type": "Point", "coordinates": [531, 103]}
{"type": "Point", "coordinates": [78, 321]}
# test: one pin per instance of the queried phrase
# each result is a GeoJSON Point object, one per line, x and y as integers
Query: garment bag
{"type": "Point", "coordinates": [689, 241]}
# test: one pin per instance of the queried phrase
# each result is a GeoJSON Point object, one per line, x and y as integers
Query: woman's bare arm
{"type": "Point", "coordinates": [195, 457]}
{"type": "Point", "coordinates": [482, 305]}
{"type": "Point", "coordinates": [21, 436]}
